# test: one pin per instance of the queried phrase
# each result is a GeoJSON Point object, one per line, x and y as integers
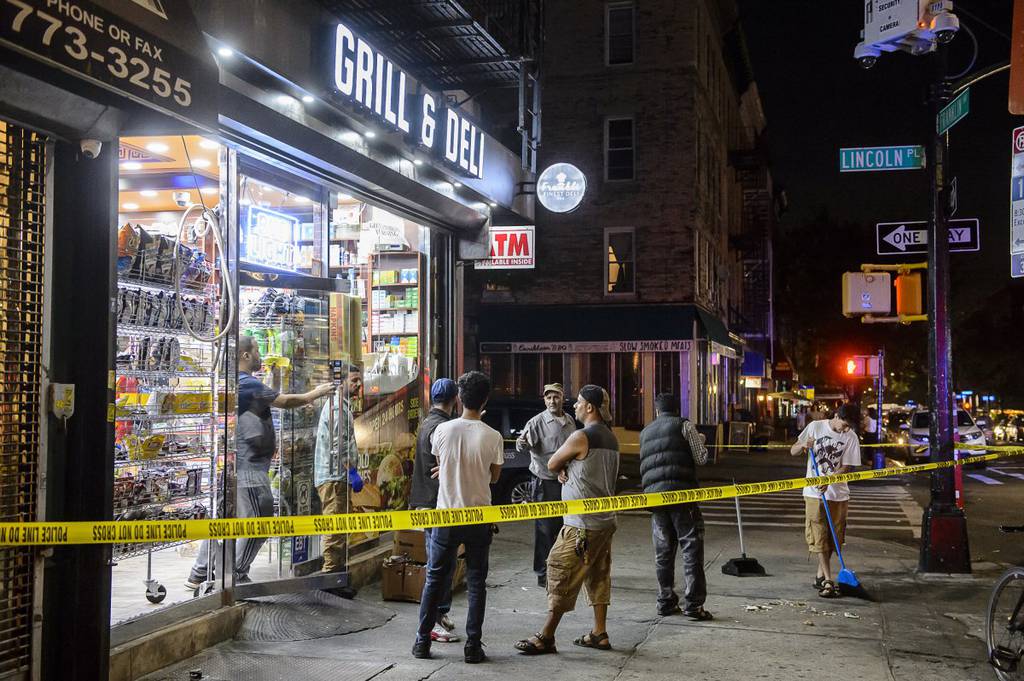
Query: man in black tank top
{"type": "Point", "coordinates": [587, 466]}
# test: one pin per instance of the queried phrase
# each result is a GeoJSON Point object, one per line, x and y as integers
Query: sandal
{"type": "Point", "coordinates": [536, 645]}
{"type": "Point", "coordinates": [829, 590]}
{"type": "Point", "coordinates": [698, 615]}
{"type": "Point", "coordinates": [818, 583]}
{"type": "Point", "coordinates": [592, 640]}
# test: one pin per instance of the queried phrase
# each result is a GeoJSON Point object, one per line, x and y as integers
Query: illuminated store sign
{"type": "Point", "coordinates": [367, 78]}
{"type": "Point", "coordinates": [560, 188]}
{"type": "Point", "coordinates": [267, 238]}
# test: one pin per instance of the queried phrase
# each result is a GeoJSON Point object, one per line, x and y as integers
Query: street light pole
{"type": "Point", "coordinates": [944, 546]}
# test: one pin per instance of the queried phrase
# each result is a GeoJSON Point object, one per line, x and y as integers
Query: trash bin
{"type": "Point", "coordinates": [879, 460]}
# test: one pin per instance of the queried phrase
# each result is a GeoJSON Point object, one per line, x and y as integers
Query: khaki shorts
{"type": "Point", "coordinates": [567, 572]}
{"type": "Point", "coordinates": [816, 524]}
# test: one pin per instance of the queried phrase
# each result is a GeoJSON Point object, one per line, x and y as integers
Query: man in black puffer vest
{"type": "Point", "coordinates": [670, 451]}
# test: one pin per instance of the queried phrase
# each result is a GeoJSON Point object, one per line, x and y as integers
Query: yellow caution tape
{"type": "Point", "coordinates": [157, 531]}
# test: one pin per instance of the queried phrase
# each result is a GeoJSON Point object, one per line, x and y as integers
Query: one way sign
{"type": "Point", "coordinates": [900, 238]}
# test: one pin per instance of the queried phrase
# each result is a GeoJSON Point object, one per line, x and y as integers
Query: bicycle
{"type": "Point", "coordinates": [1004, 626]}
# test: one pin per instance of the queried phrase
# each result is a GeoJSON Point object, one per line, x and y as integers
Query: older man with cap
{"type": "Point", "coordinates": [542, 436]}
{"type": "Point", "coordinates": [443, 395]}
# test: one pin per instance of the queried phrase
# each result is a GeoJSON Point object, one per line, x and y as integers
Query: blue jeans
{"type": "Point", "coordinates": [446, 600]}
{"type": "Point", "coordinates": [442, 552]}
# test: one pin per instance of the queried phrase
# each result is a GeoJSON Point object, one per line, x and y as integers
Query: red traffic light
{"type": "Point", "coordinates": [851, 367]}
{"type": "Point", "coordinates": [861, 366]}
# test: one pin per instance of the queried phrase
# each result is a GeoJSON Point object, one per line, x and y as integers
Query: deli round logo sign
{"type": "Point", "coordinates": [560, 188]}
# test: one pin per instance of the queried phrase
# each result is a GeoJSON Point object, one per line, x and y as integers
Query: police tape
{"type": "Point", "coordinates": [162, 531]}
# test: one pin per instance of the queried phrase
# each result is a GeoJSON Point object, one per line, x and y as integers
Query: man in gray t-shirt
{"type": "Point", "coordinates": [542, 436]}
{"type": "Point", "coordinates": [588, 466]}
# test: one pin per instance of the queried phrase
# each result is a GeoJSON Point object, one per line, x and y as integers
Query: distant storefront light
{"type": "Point", "coordinates": [560, 188]}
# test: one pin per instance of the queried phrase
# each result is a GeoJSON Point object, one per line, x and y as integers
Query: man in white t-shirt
{"type": "Point", "coordinates": [836, 450]}
{"type": "Point", "coordinates": [470, 455]}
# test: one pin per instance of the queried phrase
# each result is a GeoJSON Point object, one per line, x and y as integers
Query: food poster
{"type": "Point", "coordinates": [386, 439]}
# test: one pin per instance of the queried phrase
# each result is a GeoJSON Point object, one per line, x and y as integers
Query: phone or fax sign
{"type": "Point", "coordinates": [901, 238]}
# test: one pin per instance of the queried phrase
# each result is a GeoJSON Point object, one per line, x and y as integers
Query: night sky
{"type": "Point", "coordinates": [818, 99]}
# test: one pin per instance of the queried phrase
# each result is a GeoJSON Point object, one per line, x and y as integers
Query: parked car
{"type": "Point", "coordinates": [509, 417]}
{"type": "Point", "coordinates": [969, 432]}
{"type": "Point", "coordinates": [1007, 429]}
{"type": "Point", "coordinates": [986, 426]}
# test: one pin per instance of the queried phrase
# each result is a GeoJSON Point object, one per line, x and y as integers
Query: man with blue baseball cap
{"type": "Point", "coordinates": [443, 395]}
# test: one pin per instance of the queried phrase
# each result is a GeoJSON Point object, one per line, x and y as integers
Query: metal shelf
{"type": "Point", "coordinates": [167, 458]}
{"type": "Point", "coordinates": [144, 373]}
{"type": "Point", "coordinates": [140, 330]}
{"type": "Point", "coordinates": [173, 501]}
{"type": "Point", "coordinates": [126, 551]}
{"type": "Point", "coordinates": [157, 418]}
{"type": "Point", "coordinates": [207, 290]}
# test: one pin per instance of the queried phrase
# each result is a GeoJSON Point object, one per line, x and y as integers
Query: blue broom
{"type": "Point", "coordinates": [846, 581]}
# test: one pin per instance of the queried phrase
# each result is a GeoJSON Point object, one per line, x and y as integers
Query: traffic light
{"type": "Point", "coordinates": [908, 294]}
{"type": "Point", "coordinates": [866, 293]}
{"type": "Point", "coordinates": [861, 366]}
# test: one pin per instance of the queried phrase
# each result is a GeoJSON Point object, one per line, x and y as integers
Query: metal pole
{"type": "Point", "coordinates": [944, 527]}
{"type": "Point", "coordinates": [739, 524]}
{"type": "Point", "coordinates": [881, 395]}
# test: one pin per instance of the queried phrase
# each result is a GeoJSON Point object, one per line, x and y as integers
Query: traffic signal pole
{"type": "Point", "coordinates": [944, 546]}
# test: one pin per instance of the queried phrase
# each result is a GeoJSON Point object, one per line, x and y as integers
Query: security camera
{"type": "Point", "coordinates": [945, 26]}
{"type": "Point", "coordinates": [90, 148]}
{"type": "Point", "coordinates": [182, 199]}
{"type": "Point", "coordinates": [866, 55]}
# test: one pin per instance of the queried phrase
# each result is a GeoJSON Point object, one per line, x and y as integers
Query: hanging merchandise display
{"type": "Point", "coordinates": [168, 438]}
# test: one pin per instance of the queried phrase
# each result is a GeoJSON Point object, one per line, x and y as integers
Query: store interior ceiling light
{"type": "Point", "coordinates": [131, 165]}
{"type": "Point", "coordinates": [209, 190]}
{"type": "Point", "coordinates": [201, 163]}
{"type": "Point", "coordinates": [369, 134]}
{"type": "Point", "coordinates": [209, 144]}
{"type": "Point", "coordinates": [226, 52]}
{"type": "Point", "coordinates": [130, 206]}
{"type": "Point", "coordinates": [157, 147]}
{"type": "Point", "coordinates": [149, 193]}
{"type": "Point", "coordinates": [284, 100]}
{"type": "Point", "coordinates": [492, 204]}
{"type": "Point", "coordinates": [417, 162]}
{"type": "Point", "coordinates": [308, 99]}
{"type": "Point", "coordinates": [456, 184]}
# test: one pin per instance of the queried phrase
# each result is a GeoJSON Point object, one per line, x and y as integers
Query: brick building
{"type": "Point", "coordinates": [661, 278]}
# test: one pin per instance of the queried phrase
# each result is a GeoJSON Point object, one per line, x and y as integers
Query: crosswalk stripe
{"type": "Point", "coordinates": [983, 478]}
{"type": "Point", "coordinates": [897, 517]}
{"type": "Point", "coordinates": [1007, 473]}
{"type": "Point", "coordinates": [850, 526]}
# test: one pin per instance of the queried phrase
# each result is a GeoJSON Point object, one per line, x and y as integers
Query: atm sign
{"type": "Point", "coordinates": [512, 248]}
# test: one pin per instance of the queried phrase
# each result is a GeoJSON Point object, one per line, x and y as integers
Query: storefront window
{"type": "Point", "coordinates": [528, 381]}
{"type": "Point", "coordinates": [552, 369]}
{"type": "Point", "coordinates": [598, 369]}
{"type": "Point", "coordinates": [666, 373]}
{"type": "Point", "coordinates": [628, 394]}
{"type": "Point", "coordinates": [169, 408]}
{"type": "Point", "coordinates": [499, 368]}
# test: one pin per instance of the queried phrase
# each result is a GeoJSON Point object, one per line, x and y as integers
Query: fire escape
{"type": "Point", "coordinates": [485, 50]}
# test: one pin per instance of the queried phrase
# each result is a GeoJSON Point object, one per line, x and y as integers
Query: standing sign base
{"type": "Point", "coordinates": [743, 567]}
{"type": "Point", "coordinates": [944, 546]}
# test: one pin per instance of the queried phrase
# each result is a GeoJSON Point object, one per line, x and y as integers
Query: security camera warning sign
{"type": "Point", "coordinates": [512, 248]}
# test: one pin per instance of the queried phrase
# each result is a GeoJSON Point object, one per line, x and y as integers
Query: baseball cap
{"type": "Point", "coordinates": [597, 396]}
{"type": "Point", "coordinates": [553, 388]}
{"type": "Point", "coordinates": [443, 390]}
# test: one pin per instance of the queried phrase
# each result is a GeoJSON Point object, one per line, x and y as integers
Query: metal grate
{"type": "Point", "coordinates": [22, 218]}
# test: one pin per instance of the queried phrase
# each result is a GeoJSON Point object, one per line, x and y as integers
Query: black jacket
{"type": "Point", "coordinates": [424, 487]}
{"type": "Point", "coordinates": [666, 461]}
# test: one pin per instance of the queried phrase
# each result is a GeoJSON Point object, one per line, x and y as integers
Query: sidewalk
{"type": "Point", "coordinates": [765, 628]}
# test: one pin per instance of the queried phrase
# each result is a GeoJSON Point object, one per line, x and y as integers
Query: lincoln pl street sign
{"type": "Point", "coordinates": [901, 238]}
{"type": "Point", "coordinates": [871, 159]}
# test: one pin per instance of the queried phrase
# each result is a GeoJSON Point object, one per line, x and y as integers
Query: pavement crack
{"type": "Point", "coordinates": [636, 648]}
{"type": "Point", "coordinates": [424, 678]}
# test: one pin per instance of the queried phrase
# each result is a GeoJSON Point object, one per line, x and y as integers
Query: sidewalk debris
{"type": "Point", "coordinates": [850, 615]}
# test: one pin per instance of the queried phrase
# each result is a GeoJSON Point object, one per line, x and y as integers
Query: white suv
{"type": "Point", "coordinates": [970, 434]}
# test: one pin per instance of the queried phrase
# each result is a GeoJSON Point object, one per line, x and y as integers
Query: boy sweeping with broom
{"type": "Point", "coordinates": [836, 451]}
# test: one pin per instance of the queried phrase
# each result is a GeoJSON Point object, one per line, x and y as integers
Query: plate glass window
{"type": "Point", "coordinates": [619, 145]}
{"type": "Point", "coordinates": [619, 33]}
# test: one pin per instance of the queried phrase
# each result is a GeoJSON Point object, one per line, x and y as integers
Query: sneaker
{"type": "Point", "coordinates": [669, 610]}
{"type": "Point", "coordinates": [193, 584]}
{"type": "Point", "coordinates": [474, 652]}
{"type": "Point", "coordinates": [442, 635]}
{"type": "Point", "coordinates": [421, 650]}
{"type": "Point", "coordinates": [446, 622]}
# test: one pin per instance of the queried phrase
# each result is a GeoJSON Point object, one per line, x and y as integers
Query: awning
{"type": "Point", "coordinates": [753, 364]}
{"type": "Point", "coordinates": [150, 51]}
{"type": "Point", "coordinates": [716, 332]}
{"type": "Point", "coordinates": [586, 328]}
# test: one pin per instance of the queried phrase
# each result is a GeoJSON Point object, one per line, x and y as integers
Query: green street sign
{"type": "Point", "coordinates": [872, 159]}
{"type": "Point", "coordinates": [953, 112]}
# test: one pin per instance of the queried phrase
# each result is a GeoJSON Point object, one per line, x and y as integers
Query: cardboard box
{"type": "Point", "coordinates": [401, 581]}
{"type": "Point", "coordinates": [412, 544]}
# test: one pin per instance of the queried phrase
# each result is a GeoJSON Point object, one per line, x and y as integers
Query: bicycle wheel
{"type": "Point", "coordinates": [1004, 627]}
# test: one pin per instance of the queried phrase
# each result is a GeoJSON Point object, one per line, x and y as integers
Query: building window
{"type": "Point", "coordinates": [620, 268]}
{"type": "Point", "coordinates": [598, 369]}
{"type": "Point", "coordinates": [619, 149]}
{"type": "Point", "coordinates": [619, 33]}
{"type": "Point", "coordinates": [527, 375]}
